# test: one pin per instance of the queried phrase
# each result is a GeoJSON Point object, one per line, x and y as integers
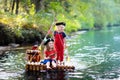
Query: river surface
{"type": "Point", "coordinates": [95, 55]}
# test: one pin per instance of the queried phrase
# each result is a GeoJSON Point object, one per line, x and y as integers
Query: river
{"type": "Point", "coordinates": [95, 55]}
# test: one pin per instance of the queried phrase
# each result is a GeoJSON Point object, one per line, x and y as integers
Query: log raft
{"type": "Point", "coordinates": [42, 68]}
{"type": "Point", "coordinates": [34, 57]}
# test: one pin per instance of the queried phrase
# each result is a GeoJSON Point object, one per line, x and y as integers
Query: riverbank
{"type": "Point", "coordinates": [4, 49]}
{"type": "Point", "coordinates": [14, 46]}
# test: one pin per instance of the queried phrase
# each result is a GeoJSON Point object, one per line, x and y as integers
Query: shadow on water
{"type": "Point", "coordinates": [56, 76]}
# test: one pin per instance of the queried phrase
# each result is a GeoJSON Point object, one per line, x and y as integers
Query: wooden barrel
{"type": "Point", "coordinates": [33, 55]}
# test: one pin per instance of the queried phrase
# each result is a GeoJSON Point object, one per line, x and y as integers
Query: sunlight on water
{"type": "Point", "coordinates": [98, 57]}
{"type": "Point", "coordinates": [117, 38]}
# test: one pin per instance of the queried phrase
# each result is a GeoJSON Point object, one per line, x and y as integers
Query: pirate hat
{"type": "Point", "coordinates": [48, 40]}
{"type": "Point", "coordinates": [60, 23]}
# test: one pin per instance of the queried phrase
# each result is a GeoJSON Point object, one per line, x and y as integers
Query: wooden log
{"type": "Point", "coordinates": [66, 68]}
{"type": "Point", "coordinates": [27, 67]}
{"type": "Point", "coordinates": [37, 67]}
{"type": "Point", "coordinates": [58, 67]}
{"type": "Point", "coordinates": [43, 68]}
{"type": "Point", "coordinates": [40, 67]}
{"type": "Point", "coordinates": [34, 67]}
{"type": "Point", "coordinates": [30, 67]}
{"type": "Point", "coordinates": [72, 67]}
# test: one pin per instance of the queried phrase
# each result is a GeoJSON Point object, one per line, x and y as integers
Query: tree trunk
{"type": "Point", "coordinates": [38, 4]}
{"type": "Point", "coordinates": [13, 4]}
{"type": "Point", "coordinates": [17, 6]}
{"type": "Point", "coordinates": [5, 6]}
{"type": "Point", "coordinates": [10, 7]}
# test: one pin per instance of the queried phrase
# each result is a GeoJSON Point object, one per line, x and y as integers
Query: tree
{"type": "Point", "coordinates": [38, 4]}
{"type": "Point", "coordinates": [13, 6]}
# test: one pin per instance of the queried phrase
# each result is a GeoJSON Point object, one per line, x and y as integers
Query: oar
{"type": "Point", "coordinates": [49, 31]}
{"type": "Point", "coordinates": [46, 35]}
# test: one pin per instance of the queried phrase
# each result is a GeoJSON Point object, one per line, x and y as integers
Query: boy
{"type": "Point", "coordinates": [60, 41]}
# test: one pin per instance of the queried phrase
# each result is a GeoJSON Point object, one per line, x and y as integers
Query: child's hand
{"type": "Point", "coordinates": [55, 58]}
{"type": "Point", "coordinates": [52, 54]}
{"type": "Point", "coordinates": [65, 46]}
{"type": "Point", "coordinates": [47, 57]}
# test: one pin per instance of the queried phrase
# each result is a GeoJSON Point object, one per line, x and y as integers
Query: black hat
{"type": "Point", "coordinates": [48, 40]}
{"type": "Point", "coordinates": [35, 45]}
{"type": "Point", "coordinates": [60, 23]}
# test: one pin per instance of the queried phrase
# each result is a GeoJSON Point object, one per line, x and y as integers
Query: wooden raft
{"type": "Point", "coordinates": [42, 68]}
{"type": "Point", "coordinates": [34, 56]}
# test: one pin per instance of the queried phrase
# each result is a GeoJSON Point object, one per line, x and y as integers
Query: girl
{"type": "Point", "coordinates": [50, 54]}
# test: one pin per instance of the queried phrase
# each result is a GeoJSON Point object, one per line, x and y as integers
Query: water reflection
{"type": "Point", "coordinates": [46, 76]}
{"type": "Point", "coordinates": [57, 76]}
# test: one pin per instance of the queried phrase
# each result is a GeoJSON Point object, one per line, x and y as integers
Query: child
{"type": "Point", "coordinates": [60, 41]}
{"type": "Point", "coordinates": [35, 47]}
{"type": "Point", "coordinates": [50, 54]}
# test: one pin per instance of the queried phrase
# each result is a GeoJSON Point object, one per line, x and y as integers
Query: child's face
{"type": "Point", "coordinates": [51, 45]}
{"type": "Point", "coordinates": [61, 28]}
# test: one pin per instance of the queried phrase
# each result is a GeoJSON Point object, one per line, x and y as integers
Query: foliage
{"type": "Point", "coordinates": [36, 16]}
{"type": "Point", "coordinates": [6, 35]}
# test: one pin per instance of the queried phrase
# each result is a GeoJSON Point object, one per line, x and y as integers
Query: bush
{"type": "Point", "coordinates": [28, 35]}
{"type": "Point", "coordinates": [6, 34]}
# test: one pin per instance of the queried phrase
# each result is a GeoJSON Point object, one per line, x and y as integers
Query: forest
{"type": "Point", "coordinates": [27, 21]}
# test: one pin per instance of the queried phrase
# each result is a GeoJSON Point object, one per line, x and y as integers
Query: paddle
{"type": "Point", "coordinates": [54, 20]}
{"type": "Point", "coordinates": [49, 31]}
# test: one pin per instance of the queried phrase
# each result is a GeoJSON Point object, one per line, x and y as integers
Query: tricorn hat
{"type": "Point", "coordinates": [60, 23]}
{"type": "Point", "coordinates": [48, 40]}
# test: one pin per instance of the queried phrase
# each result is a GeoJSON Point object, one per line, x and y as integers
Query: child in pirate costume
{"type": "Point", "coordinates": [60, 41]}
{"type": "Point", "coordinates": [50, 54]}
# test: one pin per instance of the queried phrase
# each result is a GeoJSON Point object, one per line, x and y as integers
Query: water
{"type": "Point", "coordinates": [95, 55]}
